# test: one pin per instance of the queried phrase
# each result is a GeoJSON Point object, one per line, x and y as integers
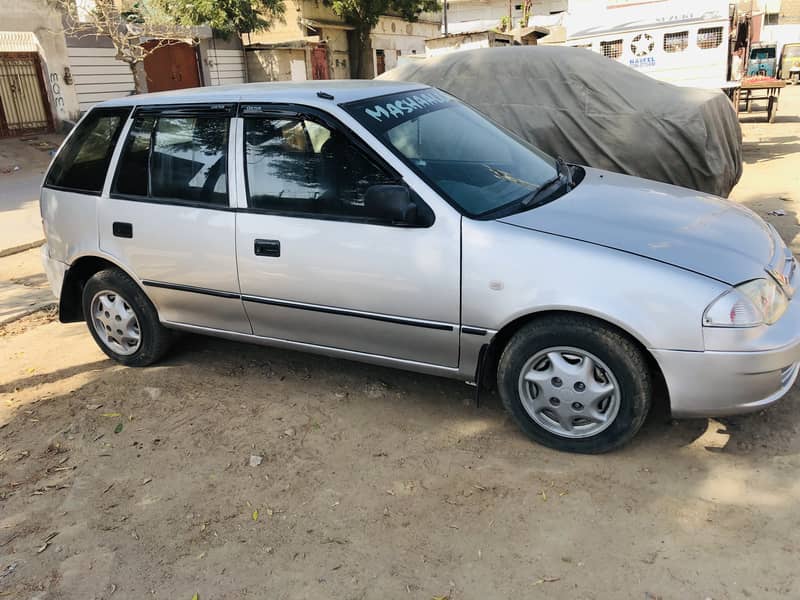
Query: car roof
{"type": "Point", "coordinates": [345, 90]}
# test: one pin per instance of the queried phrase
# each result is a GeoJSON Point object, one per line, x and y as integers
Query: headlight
{"type": "Point", "coordinates": [747, 305]}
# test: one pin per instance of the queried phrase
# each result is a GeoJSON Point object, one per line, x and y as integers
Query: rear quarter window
{"type": "Point", "coordinates": [82, 163]}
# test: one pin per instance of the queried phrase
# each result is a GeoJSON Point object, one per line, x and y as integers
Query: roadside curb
{"type": "Point", "coordinates": [21, 248]}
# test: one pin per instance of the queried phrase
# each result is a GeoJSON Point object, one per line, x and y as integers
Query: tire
{"type": "Point", "coordinates": [113, 285]}
{"type": "Point", "coordinates": [604, 423]}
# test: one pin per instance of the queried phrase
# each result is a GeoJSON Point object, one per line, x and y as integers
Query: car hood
{"type": "Point", "coordinates": [682, 227]}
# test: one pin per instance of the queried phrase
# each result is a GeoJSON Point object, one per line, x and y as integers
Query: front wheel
{"type": "Point", "coordinates": [122, 319]}
{"type": "Point", "coordinates": [575, 384]}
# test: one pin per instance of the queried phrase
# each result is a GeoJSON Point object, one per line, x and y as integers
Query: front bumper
{"type": "Point", "coordinates": [54, 269]}
{"type": "Point", "coordinates": [741, 370]}
{"type": "Point", "coordinates": [715, 384]}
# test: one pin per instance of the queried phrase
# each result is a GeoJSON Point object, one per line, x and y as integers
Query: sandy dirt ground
{"type": "Point", "coordinates": [375, 484]}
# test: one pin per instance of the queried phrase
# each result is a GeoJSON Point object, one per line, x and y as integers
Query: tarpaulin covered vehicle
{"type": "Point", "coordinates": [592, 111]}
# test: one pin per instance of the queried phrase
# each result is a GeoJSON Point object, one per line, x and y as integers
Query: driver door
{"type": "Point", "coordinates": [315, 268]}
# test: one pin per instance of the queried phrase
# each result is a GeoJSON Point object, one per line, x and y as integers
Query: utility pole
{"type": "Point", "coordinates": [444, 15]}
{"type": "Point", "coordinates": [510, 22]}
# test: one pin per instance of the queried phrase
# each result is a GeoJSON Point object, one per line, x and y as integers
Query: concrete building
{"type": "Point", "coordinates": [313, 43]}
{"type": "Point", "coordinates": [484, 15]}
{"type": "Point", "coordinates": [457, 42]}
{"type": "Point", "coordinates": [47, 78]}
{"type": "Point", "coordinates": [472, 40]}
{"type": "Point", "coordinates": [789, 12]}
{"type": "Point", "coordinates": [394, 38]}
{"type": "Point", "coordinates": [37, 91]}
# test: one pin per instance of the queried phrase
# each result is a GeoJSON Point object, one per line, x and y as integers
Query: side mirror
{"type": "Point", "coordinates": [390, 203]}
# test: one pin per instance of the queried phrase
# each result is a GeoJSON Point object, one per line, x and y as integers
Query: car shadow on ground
{"type": "Point", "coordinates": [769, 149]}
{"type": "Point", "coordinates": [423, 395]}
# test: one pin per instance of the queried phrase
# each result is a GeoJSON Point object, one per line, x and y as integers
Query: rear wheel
{"type": "Point", "coordinates": [575, 384]}
{"type": "Point", "coordinates": [122, 319]}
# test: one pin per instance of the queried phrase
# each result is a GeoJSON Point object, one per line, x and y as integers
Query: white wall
{"type": "Point", "coordinates": [276, 64]}
{"type": "Point", "coordinates": [457, 43]}
{"type": "Point", "coordinates": [98, 75]}
{"type": "Point", "coordinates": [480, 15]}
{"type": "Point", "coordinates": [780, 34]}
{"type": "Point", "coordinates": [225, 67]}
{"type": "Point", "coordinates": [399, 38]}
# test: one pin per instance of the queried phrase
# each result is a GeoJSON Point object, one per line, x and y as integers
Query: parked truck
{"type": "Point", "coordinates": [682, 42]}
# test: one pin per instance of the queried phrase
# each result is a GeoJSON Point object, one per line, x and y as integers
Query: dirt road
{"type": "Point", "coordinates": [374, 484]}
{"type": "Point", "coordinates": [22, 165]}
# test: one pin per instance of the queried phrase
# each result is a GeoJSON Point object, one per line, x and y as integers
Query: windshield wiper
{"type": "Point", "coordinates": [510, 178]}
{"type": "Point", "coordinates": [540, 196]}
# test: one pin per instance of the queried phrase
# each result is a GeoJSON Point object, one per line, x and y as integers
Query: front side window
{"type": "Point", "coordinates": [296, 165]}
{"type": "Point", "coordinates": [82, 163]}
{"type": "Point", "coordinates": [476, 164]}
{"type": "Point", "coordinates": [175, 158]}
{"type": "Point", "coordinates": [709, 37]}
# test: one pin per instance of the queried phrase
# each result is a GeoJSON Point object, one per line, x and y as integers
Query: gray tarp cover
{"type": "Point", "coordinates": [590, 110]}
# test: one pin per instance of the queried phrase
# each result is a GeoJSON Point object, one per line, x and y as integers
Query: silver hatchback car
{"type": "Point", "coordinates": [392, 224]}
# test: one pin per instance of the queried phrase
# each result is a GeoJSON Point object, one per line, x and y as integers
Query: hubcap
{"type": "Point", "coordinates": [569, 392]}
{"type": "Point", "coordinates": [115, 322]}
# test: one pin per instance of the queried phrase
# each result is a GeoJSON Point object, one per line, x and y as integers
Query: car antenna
{"type": "Point", "coordinates": [324, 95]}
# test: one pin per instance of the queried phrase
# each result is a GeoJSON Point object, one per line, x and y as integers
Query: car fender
{"type": "Point", "coordinates": [510, 272]}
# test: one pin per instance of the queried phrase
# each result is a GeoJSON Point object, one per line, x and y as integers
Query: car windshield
{"type": "Point", "coordinates": [477, 165]}
{"type": "Point", "coordinates": [791, 51]}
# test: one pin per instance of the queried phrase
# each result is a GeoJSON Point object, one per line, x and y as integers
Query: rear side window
{"type": "Point", "coordinates": [175, 158]}
{"type": "Point", "coordinates": [82, 163]}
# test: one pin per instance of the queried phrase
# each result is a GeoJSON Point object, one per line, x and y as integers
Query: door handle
{"type": "Point", "coordinates": [267, 248]}
{"type": "Point", "coordinates": [123, 230]}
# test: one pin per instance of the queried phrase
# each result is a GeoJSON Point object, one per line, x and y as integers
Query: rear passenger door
{"type": "Point", "coordinates": [168, 214]}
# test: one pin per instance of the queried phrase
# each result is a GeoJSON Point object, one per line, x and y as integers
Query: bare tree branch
{"type": "Point", "coordinates": [136, 28]}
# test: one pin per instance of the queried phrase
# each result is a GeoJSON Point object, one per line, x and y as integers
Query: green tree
{"type": "Point", "coordinates": [228, 17]}
{"type": "Point", "coordinates": [363, 15]}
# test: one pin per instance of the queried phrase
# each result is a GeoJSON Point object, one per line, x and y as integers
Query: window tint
{"type": "Point", "coordinates": [300, 166]}
{"type": "Point", "coordinates": [477, 165]}
{"type": "Point", "coordinates": [132, 173]}
{"type": "Point", "coordinates": [676, 42]}
{"type": "Point", "coordinates": [709, 37]}
{"type": "Point", "coordinates": [82, 163]}
{"type": "Point", "coordinates": [189, 159]}
{"type": "Point", "coordinates": [180, 158]}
